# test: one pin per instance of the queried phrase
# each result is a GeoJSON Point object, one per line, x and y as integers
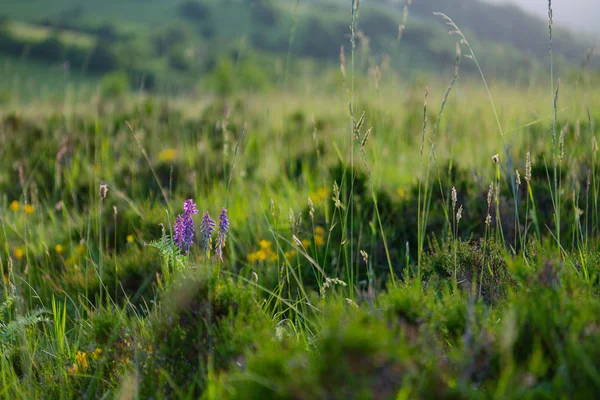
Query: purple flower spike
{"type": "Point", "coordinates": [189, 207]}
{"type": "Point", "coordinates": [184, 226]}
{"type": "Point", "coordinates": [207, 227]}
{"type": "Point", "coordinates": [222, 234]}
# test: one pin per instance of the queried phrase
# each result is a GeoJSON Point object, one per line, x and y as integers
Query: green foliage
{"type": "Point", "coordinates": [479, 267]}
{"type": "Point", "coordinates": [115, 85]}
{"type": "Point", "coordinates": [204, 325]}
{"type": "Point", "coordinates": [173, 259]}
{"type": "Point", "coordinates": [13, 325]}
{"type": "Point", "coordinates": [246, 74]}
{"type": "Point", "coordinates": [195, 35]}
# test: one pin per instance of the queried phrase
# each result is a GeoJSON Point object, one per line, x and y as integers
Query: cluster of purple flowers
{"type": "Point", "coordinates": [184, 226]}
{"type": "Point", "coordinates": [222, 234]}
{"type": "Point", "coordinates": [184, 230]}
{"type": "Point", "coordinates": [207, 227]}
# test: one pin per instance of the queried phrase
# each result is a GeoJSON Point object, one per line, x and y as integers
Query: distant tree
{"type": "Point", "coordinates": [51, 49]}
{"type": "Point", "coordinates": [264, 13]}
{"type": "Point", "coordinates": [114, 85]}
{"type": "Point", "coordinates": [194, 11]}
{"type": "Point", "coordinates": [321, 40]}
{"type": "Point", "coordinates": [102, 59]}
{"type": "Point", "coordinates": [172, 36]}
{"type": "Point", "coordinates": [178, 60]}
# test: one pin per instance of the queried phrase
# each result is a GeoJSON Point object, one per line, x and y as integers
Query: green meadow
{"type": "Point", "coordinates": [396, 218]}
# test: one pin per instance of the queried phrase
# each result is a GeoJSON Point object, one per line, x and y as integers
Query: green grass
{"type": "Point", "coordinates": [476, 307]}
{"type": "Point", "coordinates": [348, 269]}
{"type": "Point", "coordinates": [27, 82]}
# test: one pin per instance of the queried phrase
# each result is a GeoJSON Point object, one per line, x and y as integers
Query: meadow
{"type": "Point", "coordinates": [340, 233]}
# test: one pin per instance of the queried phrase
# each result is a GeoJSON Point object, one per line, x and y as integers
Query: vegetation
{"type": "Point", "coordinates": [297, 231]}
{"type": "Point", "coordinates": [167, 46]}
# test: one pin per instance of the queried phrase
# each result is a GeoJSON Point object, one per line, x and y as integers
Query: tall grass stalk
{"type": "Point", "coordinates": [555, 161]}
{"type": "Point", "coordinates": [354, 20]}
{"type": "Point", "coordinates": [288, 57]}
{"type": "Point", "coordinates": [421, 218]}
{"type": "Point", "coordinates": [362, 141]}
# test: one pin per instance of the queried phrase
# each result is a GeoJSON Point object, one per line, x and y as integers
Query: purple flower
{"type": "Point", "coordinates": [189, 207]}
{"type": "Point", "coordinates": [184, 226]}
{"type": "Point", "coordinates": [222, 234]}
{"type": "Point", "coordinates": [207, 227]}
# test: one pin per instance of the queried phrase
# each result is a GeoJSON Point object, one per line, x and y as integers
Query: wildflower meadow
{"type": "Point", "coordinates": [349, 232]}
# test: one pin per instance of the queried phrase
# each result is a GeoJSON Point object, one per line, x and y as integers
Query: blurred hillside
{"type": "Point", "coordinates": [579, 15]}
{"type": "Point", "coordinates": [154, 44]}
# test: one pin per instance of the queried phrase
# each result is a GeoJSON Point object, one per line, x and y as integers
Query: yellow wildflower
{"type": "Point", "coordinates": [319, 240]}
{"type": "Point", "coordinates": [401, 193]}
{"type": "Point", "coordinates": [261, 255]}
{"type": "Point", "coordinates": [290, 254]}
{"type": "Point", "coordinates": [320, 195]}
{"type": "Point", "coordinates": [167, 155]}
{"type": "Point", "coordinates": [73, 369]}
{"type": "Point", "coordinates": [58, 248]}
{"type": "Point", "coordinates": [150, 350]}
{"type": "Point", "coordinates": [6, 279]}
{"type": "Point", "coordinates": [305, 243]}
{"type": "Point", "coordinates": [130, 239]}
{"type": "Point", "coordinates": [29, 209]}
{"type": "Point", "coordinates": [14, 206]}
{"type": "Point", "coordinates": [81, 359]}
{"type": "Point", "coordinates": [265, 252]}
{"type": "Point", "coordinates": [319, 236]}
{"type": "Point", "coordinates": [97, 354]}
{"type": "Point", "coordinates": [19, 253]}
{"type": "Point", "coordinates": [323, 193]}
{"type": "Point", "coordinates": [265, 244]}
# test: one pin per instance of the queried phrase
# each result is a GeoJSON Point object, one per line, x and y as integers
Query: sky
{"type": "Point", "coordinates": [583, 15]}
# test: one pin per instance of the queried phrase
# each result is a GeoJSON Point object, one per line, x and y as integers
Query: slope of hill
{"type": "Point", "coordinates": [579, 15]}
{"type": "Point", "coordinates": [175, 42]}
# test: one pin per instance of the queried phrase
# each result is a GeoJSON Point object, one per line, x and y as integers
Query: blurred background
{"type": "Point", "coordinates": [177, 47]}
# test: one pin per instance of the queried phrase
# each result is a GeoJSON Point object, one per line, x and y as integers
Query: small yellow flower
{"type": "Point", "coordinates": [290, 254]}
{"type": "Point", "coordinates": [29, 209]}
{"type": "Point", "coordinates": [305, 243]}
{"type": "Point", "coordinates": [73, 369]}
{"type": "Point", "coordinates": [6, 279]}
{"type": "Point", "coordinates": [319, 236]}
{"type": "Point", "coordinates": [130, 239]}
{"type": "Point", "coordinates": [323, 193]}
{"type": "Point", "coordinates": [19, 253]}
{"type": "Point", "coordinates": [97, 354]}
{"type": "Point", "coordinates": [167, 155]}
{"type": "Point", "coordinates": [14, 206]}
{"type": "Point", "coordinates": [401, 193]}
{"type": "Point", "coordinates": [252, 258]}
{"type": "Point", "coordinates": [58, 248]}
{"type": "Point", "coordinates": [81, 359]}
{"type": "Point", "coordinates": [261, 255]}
{"type": "Point", "coordinates": [150, 350]}
{"type": "Point", "coordinates": [265, 244]}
